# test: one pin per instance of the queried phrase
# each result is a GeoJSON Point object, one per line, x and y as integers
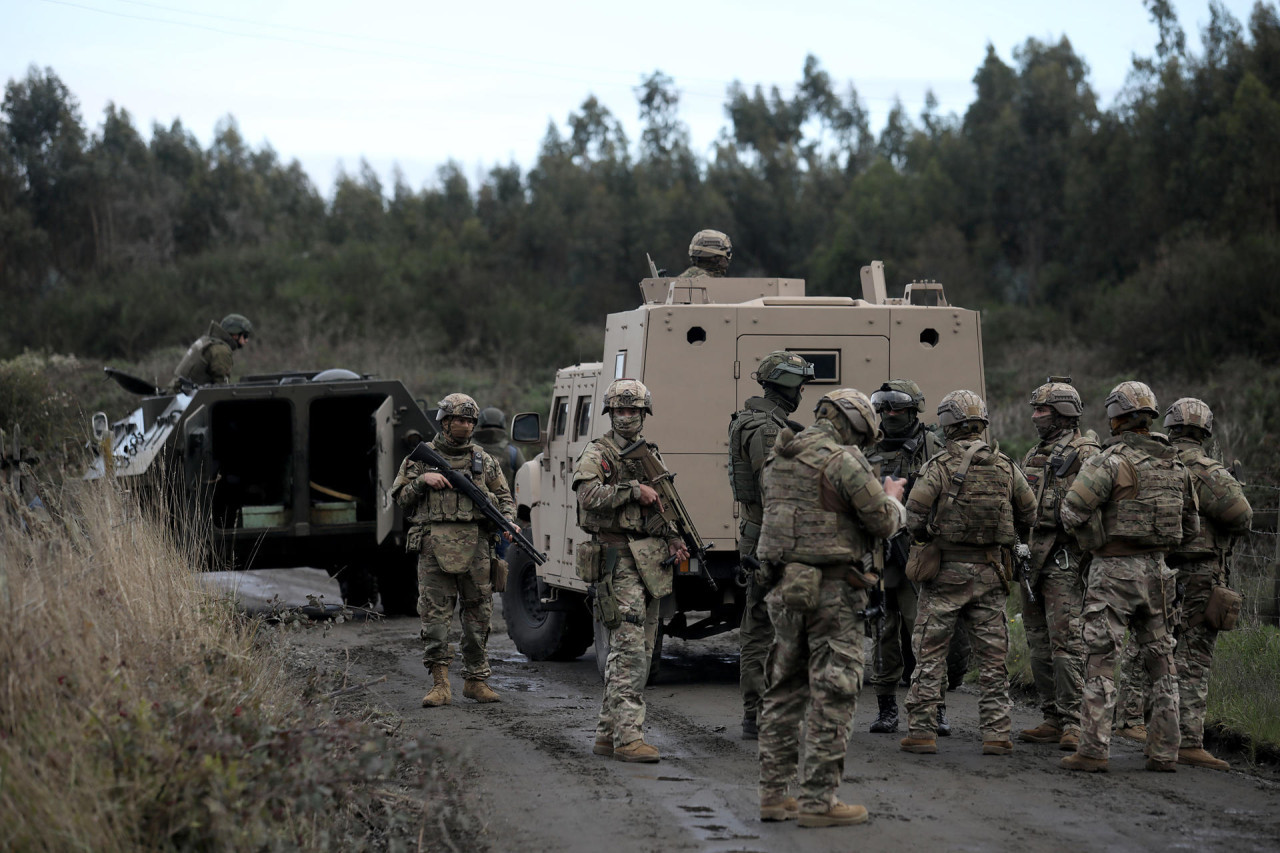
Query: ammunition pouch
{"type": "Point", "coordinates": [1222, 611]}
{"type": "Point", "coordinates": [607, 611]}
{"type": "Point", "coordinates": [498, 574]}
{"type": "Point", "coordinates": [413, 539]}
{"type": "Point", "coordinates": [650, 554]}
{"type": "Point", "coordinates": [588, 561]}
{"type": "Point", "coordinates": [924, 562]}
{"type": "Point", "coordinates": [800, 587]}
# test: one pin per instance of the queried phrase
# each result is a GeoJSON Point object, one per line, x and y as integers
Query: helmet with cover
{"type": "Point", "coordinates": [1189, 412]}
{"type": "Point", "coordinates": [897, 395]}
{"type": "Point", "coordinates": [784, 368]}
{"type": "Point", "coordinates": [237, 324]}
{"type": "Point", "coordinates": [492, 418]}
{"type": "Point", "coordinates": [458, 406]}
{"type": "Point", "coordinates": [627, 394]}
{"type": "Point", "coordinates": [711, 249]}
{"type": "Point", "coordinates": [962, 406]}
{"type": "Point", "coordinates": [1060, 395]}
{"type": "Point", "coordinates": [1129, 398]}
{"type": "Point", "coordinates": [856, 412]}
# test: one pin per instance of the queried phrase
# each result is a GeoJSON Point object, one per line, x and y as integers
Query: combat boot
{"type": "Point", "coordinates": [637, 751]}
{"type": "Point", "coordinates": [603, 746]}
{"type": "Point", "coordinates": [944, 725]}
{"type": "Point", "coordinates": [779, 807]}
{"type": "Point", "coordinates": [840, 814]}
{"type": "Point", "coordinates": [440, 693]}
{"type": "Point", "coordinates": [1076, 761]}
{"type": "Point", "coordinates": [750, 730]}
{"type": "Point", "coordinates": [919, 745]}
{"type": "Point", "coordinates": [1138, 733]}
{"type": "Point", "coordinates": [1069, 742]}
{"type": "Point", "coordinates": [997, 747]}
{"type": "Point", "coordinates": [1046, 732]}
{"type": "Point", "coordinates": [477, 690]}
{"type": "Point", "coordinates": [1201, 757]}
{"type": "Point", "coordinates": [1155, 765]}
{"type": "Point", "coordinates": [887, 720]}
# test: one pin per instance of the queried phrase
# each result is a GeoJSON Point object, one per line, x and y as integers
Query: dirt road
{"type": "Point", "coordinates": [529, 765]}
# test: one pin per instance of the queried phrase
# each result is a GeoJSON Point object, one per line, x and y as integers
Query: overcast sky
{"type": "Point", "coordinates": [419, 83]}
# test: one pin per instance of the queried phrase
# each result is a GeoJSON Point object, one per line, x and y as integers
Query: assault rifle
{"type": "Point", "coordinates": [428, 455]}
{"type": "Point", "coordinates": [670, 507]}
{"type": "Point", "coordinates": [1022, 571]}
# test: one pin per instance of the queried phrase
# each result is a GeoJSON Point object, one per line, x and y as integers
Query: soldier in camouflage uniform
{"type": "Point", "coordinates": [491, 434]}
{"type": "Point", "coordinates": [1056, 561]}
{"type": "Point", "coordinates": [824, 512]}
{"type": "Point", "coordinates": [709, 253]}
{"type": "Point", "coordinates": [1131, 697]}
{"type": "Point", "coordinates": [454, 541]}
{"type": "Point", "coordinates": [907, 444]}
{"type": "Point", "coordinates": [620, 510]}
{"type": "Point", "coordinates": [1129, 505]}
{"type": "Point", "coordinates": [975, 502]}
{"type": "Point", "coordinates": [752, 432]}
{"type": "Point", "coordinates": [1202, 566]}
{"type": "Point", "coordinates": [208, 360]}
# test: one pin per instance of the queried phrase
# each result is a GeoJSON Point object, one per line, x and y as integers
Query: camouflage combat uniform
{"type": "Point", "coordinates": [815, 664]}
{"type": "Point", "coordinates": [1202, 565]}
{"type": "Point", "coordinates": [208, 360]}
{"type": "Point", "coordinates": [976, 530]}
{"type": "Point", "coordinates": [900, 458]}
{"type": "Point", "coordinates": [1129, 505]}
{"type": "Point", "coordinates": [1131, 692]}
{"type": "Point", "coordinates": [609, 507]}
{"type": "Point", "coordinates": [453, 541]}
{"type": "Point", "coordinates": [752, 433]}
{"type": "Point", "coordinates": [1053, 621]}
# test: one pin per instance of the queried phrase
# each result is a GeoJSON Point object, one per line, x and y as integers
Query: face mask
{"type": "Point", "coordinates": [897, 423]}
{"type": "Point", "coordinates": [1046, 425]}
{"type": "Point", "coordinates": [460, 430]}
{"type": "Point", "coordinates": [628, 427]}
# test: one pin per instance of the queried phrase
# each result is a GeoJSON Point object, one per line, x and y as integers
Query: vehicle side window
{"type": "Point", "coordinates": [582, 417]}
{"type": "Point", "coordinates": [560, 415]}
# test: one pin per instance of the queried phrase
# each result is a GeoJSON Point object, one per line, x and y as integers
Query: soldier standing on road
{"type": "Point", "coordinates": [208, 360]}
{"type": "Point", "coordinates": [752, 433]}
{"type": "Point", "coordinates": [907, 444]}
{"type": "Point", "coordinates": [1202, 570]}
{"type": "Point", "coordinates": [453, 542]}
{"type": "Point", "coordinates": [1129, 505]}
{"type": "Point", "coordinates": [824, 511]}
{"type": "Point", "coordinates": [1131, 697]}
{"type": "Point", "coordinates": [491, 435]}
{"type": "Point", "coordinates": [1056, 562]}
{"type": "Point", "coordinates": [975, 502]}
{"type": "Point", "coordinates": [622, 513]}
{"type": "Point", "coordinates": [709, 253]}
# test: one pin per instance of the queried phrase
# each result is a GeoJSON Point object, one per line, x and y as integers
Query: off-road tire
{"type": "Point", "coordinates": [541, 634]}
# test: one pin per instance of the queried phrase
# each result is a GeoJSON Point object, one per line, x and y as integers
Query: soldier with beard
{"type": "Point", "coordinates": [453, 542]}
{"type": "Point", "coordinates": [752, 433]}
{"type": "Point", "coordinates": [620, 510]}
{"type": "Point", "coordinates": [1056, 563]}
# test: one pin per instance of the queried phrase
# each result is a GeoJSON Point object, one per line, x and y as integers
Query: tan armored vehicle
{"type": "Point", "coordinates": [695, 342]}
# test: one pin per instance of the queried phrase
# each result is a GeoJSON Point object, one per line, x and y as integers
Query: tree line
{"type": "Point", "coordinates": [1148, 228]}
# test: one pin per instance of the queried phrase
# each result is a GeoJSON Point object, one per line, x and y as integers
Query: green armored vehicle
{"type": "Point", "coordinates": [695, 342]}
{"type": "Point", "coordinates": [287, 469]}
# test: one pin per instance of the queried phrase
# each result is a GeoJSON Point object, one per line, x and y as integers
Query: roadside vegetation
{"type": "Point", "coordinates": [139, 712]}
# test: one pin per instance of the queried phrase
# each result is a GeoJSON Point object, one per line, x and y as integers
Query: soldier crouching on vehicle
{"type": "Point", "coordinates": [824, 511]}
{"type": "Point", "coordinates": [629, 551]}
{"type": "Point", "coordinates": [208, 361]}
{"type": "Point", "coordinates": [453, 541]}
{"type": "Point", "coordinates": [971, 502]}
{"type": "Point", "coordinates": [1129, 505]}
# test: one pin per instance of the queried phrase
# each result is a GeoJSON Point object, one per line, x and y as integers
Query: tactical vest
{"type": "Point", "coordinates": [796, 527]}
{"type": "Point", "coordinates": [195, 364]}
{"type": "Point", "coordinates": [759, 421]}
{"type": "Point", "coordinates": [1217, 500]}
{"type": "Point", "coordinates": [1152, 517]}
{"type": "Point", "coordinates": [630, 517]}
{"type": "Point", "coordinates": [907, 459]}
{"type": "Point", "coordinates": [1042, 466]}
{"type": "Point", "coordinates": [451, 504]}
{"type": "Point", "coordinates": [982, 511]}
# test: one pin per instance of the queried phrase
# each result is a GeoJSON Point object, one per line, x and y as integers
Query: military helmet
{"type": "Point", "coordinates": [1188, 411]}
{"type": "Point", "coordinates": [897, 395]}
{"type": "Point", "coordinates": [784, 368]}
{"type": "Point", "coordinates": [857, 409]}
{"type": "Point", "coordinates": [458, 405]}
{"type": "Point", "coordinates": [627, 393]}
{"type": "Point", "coordinates": [960, 406]}
{"type": "Point", "coordinates": [1060, 395]}
{"type": "Point", "coordinates": [1130, 397]}
{"type": "Point", "coordinates": [236, 324]}
{"type": "Point", "coordinates": [710, 244]}
{"type": "Point", "coordinates": [492, 417]}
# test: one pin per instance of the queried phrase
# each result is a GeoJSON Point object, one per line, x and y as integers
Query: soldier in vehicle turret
{"type": "Point", "coordinates": [208, 361]}
{"type": "Point", "coordinates": [709, 253]}
{"type": "Point", "coordinates": [752, 433]}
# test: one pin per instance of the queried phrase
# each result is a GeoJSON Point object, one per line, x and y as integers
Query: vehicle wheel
{"type": "Point", "coordinates": [602, 650]}
{"type": "Point", "coordinates": [398, 584]}
{"type": "Point", "coordinates": [538, 634]}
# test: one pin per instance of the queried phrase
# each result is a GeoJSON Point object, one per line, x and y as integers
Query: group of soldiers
{"type": "Point", "coordinates": [869, 514]}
